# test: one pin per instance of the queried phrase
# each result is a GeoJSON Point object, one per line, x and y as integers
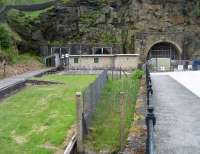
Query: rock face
{"type": "Point", "coordinates": [63, 23]}
{"type": "Point", "coordinates": [125, 22]}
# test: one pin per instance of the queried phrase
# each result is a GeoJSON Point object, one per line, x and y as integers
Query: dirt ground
{"type": "Point", "coordinates": [12, 70]}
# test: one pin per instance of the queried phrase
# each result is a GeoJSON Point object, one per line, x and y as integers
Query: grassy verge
{"type": "Point", "coordinates": [106, 122]}
{"type": "Point", "coordinates": [36, 120]}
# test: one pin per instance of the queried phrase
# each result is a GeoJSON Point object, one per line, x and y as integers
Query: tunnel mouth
{"type": "Point", "coordinates": [163, 50]}
{"type": "Point", "coordinates": [163, 56]}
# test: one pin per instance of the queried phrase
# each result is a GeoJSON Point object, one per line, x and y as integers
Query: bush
{"type": "Point", "coordinates": [137, 74]}
{"type": "Point", "coordinates": [5, 38]}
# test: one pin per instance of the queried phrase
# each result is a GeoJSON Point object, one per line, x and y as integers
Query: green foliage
{"type": "Point", "coordinates": [107, 37]}
{"type": "Point", "coordinates": [137, 74]}
{"type": "Point", "coordinates": [22, 2]}
{"type": "Point", "coordinates": [15, 36]}
{"type": "Point", "coordinates": [16, 19]}
{"type": "Point", "coordinates": [89, 18]}
{"type": "Point", "coordinates": [5, 38]}
{"type": "Point", "coordinates": [12, 57]}
{"type": "Point", "coordinates": [196, 11]}
{"type": "Point", "coordinates": [39, 117]}
{"type": "Point", "coordinates": [23, 20]}
{"type": "Point", "coordinates": [105, 131]}
{"type": "Point", "coordinates": [35, 14]}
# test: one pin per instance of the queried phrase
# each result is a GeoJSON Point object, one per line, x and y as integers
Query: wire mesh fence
{"type": "Point", "coordinates": [91, 96]}
{"type": "Point", "coordinates": [106, 108]}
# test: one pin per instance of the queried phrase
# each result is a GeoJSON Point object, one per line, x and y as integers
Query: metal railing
{"type": "Point", "coordinates": [150, 117]}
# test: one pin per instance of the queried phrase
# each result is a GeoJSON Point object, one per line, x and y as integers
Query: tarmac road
{"type": "Point", "coordinates": [177, 110]}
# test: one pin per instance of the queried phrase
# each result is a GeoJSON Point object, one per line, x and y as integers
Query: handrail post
{"type": "Point", "coordinates": [150, 122]}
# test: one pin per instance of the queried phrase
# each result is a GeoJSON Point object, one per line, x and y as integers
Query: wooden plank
{"type": "Point", "coordinates": [70, 146]}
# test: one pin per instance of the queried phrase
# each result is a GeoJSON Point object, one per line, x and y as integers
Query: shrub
{"type": "Point", "coordinates": [5, 38]}
{"type": "Point", "coordinates": [137, 74]}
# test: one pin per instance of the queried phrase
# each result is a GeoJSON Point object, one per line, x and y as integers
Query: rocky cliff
{"type": "Point", "coordinates": [112, 21]}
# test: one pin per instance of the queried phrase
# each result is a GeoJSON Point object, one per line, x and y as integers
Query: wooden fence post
{"type": "Point", "coordinates": [79, 125]}
{"type": "Point", "coordinates": [120, 72]}
{"type": "Point", "coordinates": [122, 120]}
{"type": "Point", "coordinates": [112, 73]}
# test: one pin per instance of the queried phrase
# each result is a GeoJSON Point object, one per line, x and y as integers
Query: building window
{"type": "Point", "coordinates": [96, 60]}
{"type": "Point", "coordinates": [75, 60]}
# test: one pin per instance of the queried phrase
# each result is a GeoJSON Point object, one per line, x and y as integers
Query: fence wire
{"type": "Point", "coordinates": [91, 97]}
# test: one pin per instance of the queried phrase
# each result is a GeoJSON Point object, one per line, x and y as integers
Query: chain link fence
{"type": "Point", "coordinates": [91, 97]}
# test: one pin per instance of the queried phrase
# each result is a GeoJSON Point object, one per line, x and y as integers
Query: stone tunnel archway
{"type": "Point", "coordinates": [162, 55]}
{"type": "Point", "coordinates": [164, 50]}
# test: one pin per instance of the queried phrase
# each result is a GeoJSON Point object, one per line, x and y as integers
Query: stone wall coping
{"type": "Point", "coordinates": [106, 55]}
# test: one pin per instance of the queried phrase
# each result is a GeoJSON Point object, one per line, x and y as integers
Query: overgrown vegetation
{"type": "Point", "coordinates": [5, 38]}
{"type": "Point", "coordinates": [34, 14]}
{"type": "Point", "coordinates": [196, 11]}
{"type": "Point", "coordinates": [37, 119]}
{"type": "Point", "coordinates": [22, 2]}
{"type": "Point", "coordinates": [105, 131]}
{"type": "Point", "coordinates": [19, 17]}
{"type": "Point", "coordinates": [8, 50]}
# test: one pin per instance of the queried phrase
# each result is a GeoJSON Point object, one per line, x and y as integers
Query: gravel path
{"type": "Point", "coordinates": [178, 117]}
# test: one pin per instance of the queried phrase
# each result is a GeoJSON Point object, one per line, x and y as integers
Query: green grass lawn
{"type": "Point", "coordinates": [105, 134]}
{"type": "Point", "coordinates": [37, 119]}
{"type": "Point", "coordinates": [23, 2]}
